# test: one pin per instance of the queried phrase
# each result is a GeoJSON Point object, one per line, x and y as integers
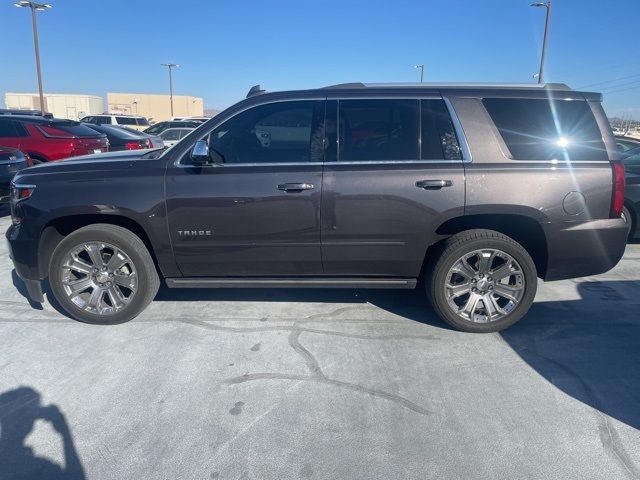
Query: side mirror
{"type": "Point", "coordinates": [200, 153]}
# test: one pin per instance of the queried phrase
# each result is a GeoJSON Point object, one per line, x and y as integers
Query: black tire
{"type": "Point", "coordinates": [466, 242]}
{"type": "Point", "coordinates": [626, 214]}
{"type": "Point", "coordinates": [147, 276]}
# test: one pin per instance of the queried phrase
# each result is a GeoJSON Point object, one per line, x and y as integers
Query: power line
{"type": "Point", "coordinates": [614, 87]}
{"type": "Point", "coordinates": [622, 90]}
{"type": "Point", "coordinates": [609, 81]}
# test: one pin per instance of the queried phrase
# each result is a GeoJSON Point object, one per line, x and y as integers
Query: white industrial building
{"type": "Point", "coordinates": [61, 105]}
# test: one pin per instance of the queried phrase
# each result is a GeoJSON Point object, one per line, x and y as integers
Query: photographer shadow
{"type": "Point", "coordinates": [19, 410]}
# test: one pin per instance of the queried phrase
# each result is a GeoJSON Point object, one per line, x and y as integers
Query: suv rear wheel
{"type": "Point", "coordinates": [103, 274]}
{"type": "Point", "coordinates": [483, 281]}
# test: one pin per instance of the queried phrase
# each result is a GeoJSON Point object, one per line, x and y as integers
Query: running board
{"type": "Point", "coordinates": [291, 282]}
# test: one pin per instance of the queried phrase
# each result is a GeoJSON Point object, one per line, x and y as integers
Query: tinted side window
{"type": "Point", "coordinates": [142, 122]}
{"type": "Point", "coordinates": [7, 129]}
{"type": "Point", "coordinates": [21, 130]}
{"type": "Point", "coordinates": [170, 134]}
{"type": "Point", "coordinates": [439, 139]}
{"type": "Point", "coordinates": [126, 121]}
{"type": "Point", "coordinates": [372, 130]}
{"type": "Point", "coordinates": [271, 133]}
{"type": "Point", "coordinates": [102, 120]}
{"type": "Point", "coordinates": [541, 129]}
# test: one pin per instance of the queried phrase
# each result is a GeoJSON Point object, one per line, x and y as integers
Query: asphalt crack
{"type": "Point", "coordinates": [315, 370]}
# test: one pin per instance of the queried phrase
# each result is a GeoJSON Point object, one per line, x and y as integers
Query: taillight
{"type": "Point", "coordinates": [133, 146]}
{"type": "Point", "coordinates": [617, 197]}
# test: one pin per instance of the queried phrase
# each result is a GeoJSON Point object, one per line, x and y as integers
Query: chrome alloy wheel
{"type": "Point", "coordinates": [99, 278]}
{"type": "Point", "coordinates": [484, 285]}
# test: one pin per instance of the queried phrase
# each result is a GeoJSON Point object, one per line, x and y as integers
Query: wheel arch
{"type": "Point", "coordinates": [57, 229]}
{"type": "Point", "coordinates": [525, 230]}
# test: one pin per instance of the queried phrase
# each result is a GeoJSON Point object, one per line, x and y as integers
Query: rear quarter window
{"type": "Point", "coordinates": [126, 121]}
{"type": "Point", "coordinates": [547, 129]}
{"type": "Point", "coordinates": [74, 128]}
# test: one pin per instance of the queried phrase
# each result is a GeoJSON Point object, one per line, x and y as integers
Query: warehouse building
{"type": "Point", "coordinates": [155, 107]}
{"type": "Point", "coordinates": [61, 105]}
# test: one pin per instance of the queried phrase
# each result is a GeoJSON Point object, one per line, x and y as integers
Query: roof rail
{"type": "Point", "coordinates": [255, 90]}
{"type": "Point", "coordinates": [356, 85]}
{"type": "Point", "coordinates": [346, 85]}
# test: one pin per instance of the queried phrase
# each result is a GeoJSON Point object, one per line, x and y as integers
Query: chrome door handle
{"type": "Point", "coordinates": [434, 184]}
{"type": "Point", "coordinates": [295, 187]}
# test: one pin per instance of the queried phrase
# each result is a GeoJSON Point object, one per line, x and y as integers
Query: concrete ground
{"type": "Point", "coordinates": [354, 384]}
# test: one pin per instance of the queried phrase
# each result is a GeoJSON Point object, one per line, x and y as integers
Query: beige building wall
{"type": "Point", "coordinates": [155, 107]}
{"type": "Point", "coordinates": [61, 105]}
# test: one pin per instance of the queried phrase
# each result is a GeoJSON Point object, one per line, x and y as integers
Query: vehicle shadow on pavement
{"type": "Point", "coordinates": [20, 408]}
{"type": "Point", "coordinates": [19, 285]}
{"type": "Point", "coordinates": [410, 304]}
{"type": "Point", "coordinates": [588, 348]}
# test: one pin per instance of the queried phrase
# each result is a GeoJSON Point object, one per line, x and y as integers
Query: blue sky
{"type": "Point", "coordinates": [225, 47]}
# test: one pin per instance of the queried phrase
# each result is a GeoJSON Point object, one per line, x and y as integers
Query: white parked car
{"type": "Point", "coordinates": [137, 123]}
{"type": "Point", "coordinates": [171, 136]}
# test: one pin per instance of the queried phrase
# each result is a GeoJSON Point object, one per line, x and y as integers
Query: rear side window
{"type": "Point", "coordinates": [547, 129]}
{"type": "Point", "coordinates": [126, 121]}
{"type": "Point", "coordinates": [373, 130]}
{"type": "Point", "coordinates": [102, 120]}
{"type": "Point", "coordinates": [439, 139]}
{"type": "Point", "coordinates": [7, 129]}
{"type": "Point", "coordinates": [170, 135]}
{"type": "Point", "coordinates": [142, 122]}
{"type": "Point", "coordinates": [72, 128]}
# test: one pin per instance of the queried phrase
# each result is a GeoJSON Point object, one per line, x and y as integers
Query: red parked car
{"type": "Point", "coordinates": [48, 139]}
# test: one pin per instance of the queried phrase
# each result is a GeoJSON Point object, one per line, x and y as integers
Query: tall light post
{"type": "Point", "coordinates": [36, 6]}
{"type": "Point", "coordinates": [546, 5]}
{"type": "Point", "coordinates": [421, 67]}
{"type": "Point", "coordinates": [170, 66]}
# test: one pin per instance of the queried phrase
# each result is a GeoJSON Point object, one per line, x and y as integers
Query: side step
{"type": "Point", "coordinates": [289, 282]}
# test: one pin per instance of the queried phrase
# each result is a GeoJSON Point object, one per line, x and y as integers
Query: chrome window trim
{"type": "Point", "coordinates": [233, 165]}
{"type": "Point", "coordinates": [393, 162]}
{"type": "Point", "coordinates": [462, 139]}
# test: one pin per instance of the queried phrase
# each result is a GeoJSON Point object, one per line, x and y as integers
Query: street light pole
{"type": "Point", "coordinates": [36, 6]}
{"type": "Point", "coordinates": [170, 66]}
{"type": "Point", "coordinates": [421, 67]}
{"type": "Point", "coordinates": [547, 5]}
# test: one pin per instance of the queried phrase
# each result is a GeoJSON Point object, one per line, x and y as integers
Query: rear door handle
{"type": "Point", "coordinates": [434, 184]}
{"type": "Point", "coordinates": [295, 187]}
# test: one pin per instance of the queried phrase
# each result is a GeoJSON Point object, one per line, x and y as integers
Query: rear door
{"type": "Point", "coordinates": [394, 172]}
{"type": "Point", "coordinates": [258, 212]}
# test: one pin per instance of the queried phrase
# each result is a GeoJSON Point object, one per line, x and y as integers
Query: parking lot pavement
{"type": "Point", "coordinates": [259, 384]}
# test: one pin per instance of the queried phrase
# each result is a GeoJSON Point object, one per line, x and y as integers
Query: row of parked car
{"type": "Point", "coordinates": [28, 138]}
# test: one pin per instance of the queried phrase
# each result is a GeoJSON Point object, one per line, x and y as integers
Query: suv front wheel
{"type": "Point", "coordinates": [103, 274]}
{"type": "Point", "coordinates": [483, 281]}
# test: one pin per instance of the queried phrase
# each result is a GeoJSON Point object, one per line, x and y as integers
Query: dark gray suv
{"type": "Point", "coordinates": [476, 189]}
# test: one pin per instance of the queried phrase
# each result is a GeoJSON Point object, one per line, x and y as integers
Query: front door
{"type": "Point", "coordinates": [256, 212]}
{"type": "Point", "coordinates": [395, 174]}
